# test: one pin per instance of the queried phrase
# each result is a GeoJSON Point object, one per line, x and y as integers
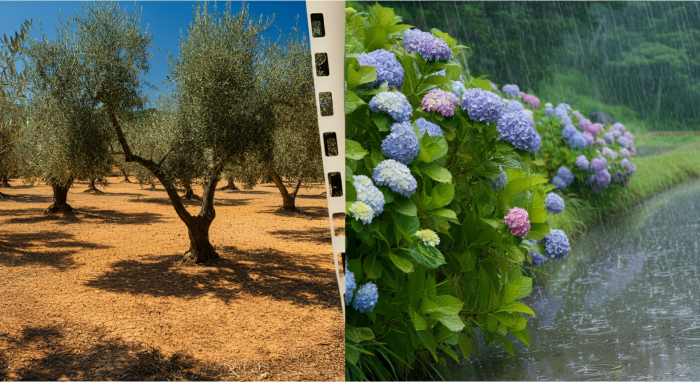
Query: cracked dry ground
{"type": "Point", "coordinates": [103, 294]}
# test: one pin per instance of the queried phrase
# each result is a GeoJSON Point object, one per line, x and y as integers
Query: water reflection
{"type": "Point", "coordinates": [626, 296]}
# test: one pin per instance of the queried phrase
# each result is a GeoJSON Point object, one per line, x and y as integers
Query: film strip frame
{"type": "Point", "coordinates": [327, 41]}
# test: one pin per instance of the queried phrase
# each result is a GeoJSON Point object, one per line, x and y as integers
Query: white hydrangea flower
{"type": "Point", "coordinates": [429, 237]}
{"type": "Point", "coordinates": [362, 211]}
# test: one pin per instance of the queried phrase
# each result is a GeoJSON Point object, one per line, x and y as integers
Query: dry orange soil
{"type": "Point", "coordinates": [103, 294]}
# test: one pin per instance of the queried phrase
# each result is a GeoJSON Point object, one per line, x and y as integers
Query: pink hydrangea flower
{"type": "Point", "coordinates": [593, 128]}
{"type": "Point", "coordinates": [532, 100]}
{"type": "Point", "coordinates": [518, 222]}
{"type": "Point", "coordinates": [443, 102]}
{"type": "Point", "coordinates": [521, 94]}
{"type": "Point", "coordinates": [583, 123]}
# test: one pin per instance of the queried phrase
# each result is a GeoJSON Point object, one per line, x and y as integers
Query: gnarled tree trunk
{"type": "Point", "coordinates": [230, 186]}
{"type": "Point", "coordinates": [92, 188]}
{"type": "Point", "coordinates": [126, 176]}
{"type": "Point", "coordinates": [60, 196]}
{"type": "Point", "coordinates": [201, 250]}
{"type": "Point", "coordinates": [189, 193]}
{"type": "Point", "coordinates": [288, 200]}
{"type": "Point", "coordinates": [5, 181]}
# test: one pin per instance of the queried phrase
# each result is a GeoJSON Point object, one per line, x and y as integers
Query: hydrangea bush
{"type": "Point", "coordinates": [440, 254]}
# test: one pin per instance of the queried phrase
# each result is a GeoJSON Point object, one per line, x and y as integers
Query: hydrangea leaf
{"type": "Point", "coordinates": [358, 335]}
{"type": "Point", "coordinates": [435, 172]}
{"type": "Point", "coordinates": [447, 305]}
{"type": "Point", "coordinates": [445, 213]}
{"type": "Point", "coordinates": [351, 354]}
{"type": "Point", "coordinates": [427, 339]}
{"type": "Point", "coordinates": [538, 212]}
{"type": "Point", "coordinates": [367, 74]}
{"type": "Point", "coordinates": [352, 78]}
{"type": "Point", "coordinates": [519, 325]}
{"type": "Point", "coordinates": [442, 195]}
{"type": "Point", "coordinates": [405, 265]}
{"type": "Point", "coordinates": [507, 344]}
{"type": "Point", "coordinates": [375, 38]}
{"type": "Point", "coordinates": [383, 121]}
{"type": "Point", "coordinates": [405, 206]}
{"type": "Point", "coordinates": [453, 323]}
{"type": "Point", "coordinates": [352, 102]}
{"type": "Point", "coordinates": [537, 231]}
{"type": "Point", "coordinates": [381, 15]}
{"type": "Point", "coordinates": [418, 320]}
{"type": "Point", "coordinates": [392, 29]}
{"type": "Point", "coordinates": [372, 268]}
{"type": "Point", "coordinates": [444, 36]}
{"type": "Point", "coordinates": [525, 288]}
{"type": "Point", "coordinates": [509, 293]}
{"type": "Point", "coordinates": [465, 345]}
{"type": "Point", "coordinates": [506, 163]}
{"type": "Point", "coordinates": [354, 150]}
{"type": "Point", "coordinates": [431, 82]}
{"type": "Point", "coordinates": [407, 225]}
{"type": "Point", "coordinates": [522, 335]}
{"type": "Point", "coordinates": [516, 307]}
{"type": "Point", "coordinates": [426, 256]}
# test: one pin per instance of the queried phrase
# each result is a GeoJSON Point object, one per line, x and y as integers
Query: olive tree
{"type": "Point", "coordinates": [222, 84]}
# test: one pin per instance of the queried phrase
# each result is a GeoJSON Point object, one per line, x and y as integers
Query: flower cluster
{"type": "Point", "coordinates": [563, 178]}
{"type": "Point", "coordinates": [432, 129]}
{"type": "Point", "coordinates": [582, 162]}
{"type": "Point", "coordinates": [556, 245]}
{"type": "Point", "coordinates": [394, 103]}
{"type": "Point", "coordinates": [515, 129]}
{"type": "Point", "coordinates": [443, 102]}
{"type": "Point", "coordinates": [554, 203]}
{"type": "Point", "coordinates": [518, 222]}
{"type": "Point", "coordinates": [401, 144]}
{"type": "Point", "coordinates": [429, 237]}
{"type": "Point", "coordinates": [532, 101]}
{"type": "Point", "coordinates": [369, 194]}
{"type": "Point", "coordinates": [482, 105]}
{"type": "Point", "coordinates": [427, 45]}
{"type": "Point", "coordinates": [499, 181]}
{"type": "Point", "coordinates": [349, 285]}
{"type": "Point", "coordinates": [389, 70]}
{"type": "Point", "coordinates": [395, 175]}
{"type": "Point", "coordinates": [514, 106]}
{"type": "Point", "coordinates": [458, 89]}
{"type": "Point", "coordinates": [366, 298]}
{"type": "Point", "coordinates": [362, 211]}
{"type": "Point", "coordinates": [511, 90]}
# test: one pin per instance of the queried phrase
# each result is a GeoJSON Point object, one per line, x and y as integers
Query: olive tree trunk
{"type": "Point", "coordinates": [60, 197]}
{"type": "Point", "coordinates": [92, 188]}
{"type": "Point", "coordinates": [288, 199]}
{"type": "Point", "coordinates": [230, 186]}
{"type": "Point", "coordinates": [189, 193]}
{"type": "Point", "coordinates": [5, 181]}
{"type": "Point", "coordinates": [126, 176]}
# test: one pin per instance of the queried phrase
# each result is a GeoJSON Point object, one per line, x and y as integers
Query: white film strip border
{"type": "Point", "coordinates": [327, 40]}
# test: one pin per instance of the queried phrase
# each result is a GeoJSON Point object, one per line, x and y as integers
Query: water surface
{"type": "Point", "coordinates": [627, 295]}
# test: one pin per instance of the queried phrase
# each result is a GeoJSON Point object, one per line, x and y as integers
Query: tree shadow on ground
{"type": "Point", "coordinates": [28, 198]}
{"type": "Point", "coordinates": [314, 197]}
{"type": "Point", "coordinates": [165, 201]}
{"type": "Point", "coordinates": [87, 214]}
{"type": "Point", "coordinates": [308, 212]}
{"type": "Point", "coordinates": [51, 352]}
{"type": "Point", "coordinates": [46, 248]}
{"type": "Point", "coordinates": [316, 235]}
{"type": "Point", "coordinates": [238, 274]}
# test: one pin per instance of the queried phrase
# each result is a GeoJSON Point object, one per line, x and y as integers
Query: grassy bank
{"type": "Point", "coordinates": [654, 174]}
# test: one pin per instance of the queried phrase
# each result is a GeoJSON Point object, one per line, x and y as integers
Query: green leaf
{"type": "Point", "coordinates": [354, 150]}
{"type": "Point", "coordinates": [405, 206]}
{"type": "Point", "coordinates": [352, 102]}
{"type": "Point", "coordinates": [351, 354]}
{"type": "Point", "coordinates": [418, 320]}
{"type": "Point", "coordinates": [537, 231]}
{"type": "Point", "coordinates": [465, 345]}
{"type": "Point", "coordinates": [381, 15]}
{"type": "Point", "coordinates": [516, 307]}
{"type": "Point", "coordinates": [427, 339]}
{"type": "Point", "coordinates": [538, 212]}
{"type": "Point", "coordinates": [358, 335]}
{"type": "Point", "coordinates": [435, 172]}
{"type": "Point", "coordinates": [523, 336]}
{"type": "Point", "coordinates": [430, 82]}
{"type": "Point", "coordinates": [525, 287]}
{"type": "Point", "coordinates": [509, 293]}
{"type": "Point", "coordinates": [375, 38]}
{"type": "Point", "coordinates": [352, 77]}
{"type": "Point", "coordinates": [519, 325]}
{"type": "Point", "coordinates": [405, 265]}
{"type": "Point", "coordinates": [444, 36]}
{"type": "Point", "coordinates": [454, 323]}
{"type": "Point", "coordinates": [443, 212]}
{"type": "Point", "coordinates": [442, 195]}
{"type": "Point", "coordinates": [446, 305]}
{"type": "Point", "coordinates": [507, 344]}
{"type": "Point", "coordinates": [372, 268]}
{"type": "Point", "coordinates": [383, 121]}
{"type": "Point", "coordinates": [449, 352]}
{"type": "Point", "coordinates": [506, 163]}
{"type": "Point", "coordinates": [432, 148]}
{"type": "Point", "coordinates": [391, 29]}
{"type": "Point", "coordinates": [426, 256]}
{"type": "Point", "coordinates": [367, 74]}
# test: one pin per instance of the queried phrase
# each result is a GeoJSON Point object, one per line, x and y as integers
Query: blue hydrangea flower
{"type": "Point", "coordinates": [566, 175]}
{"type": "Point", "coordinates": [554, 203]}
{"type": "Point", "coordinates": [482, 105]}
{"type": "Point", "coordinates": [401, 144]}
{"type": "Point", "coordinates": [556, 245]}
{"type": "Point", "coordinates": [537, 259]}
{"type": "Point", "coordinates": [577, 141]}
{"type": "Point", "coordinates": [536, 142]}
{"type": "Point", "coordinates": [514, 106]}
{"type": "Point", "coordinates": [603, 178]}
{"type": "Point", "coordinates": [582, 162]}
{"type": "Point", "coordinates": [515, 129]}
{"type": "Point", "coordinates": [387, 66]}
{"type": "Point", "coordinates": [429, 46]}
{"type": "Point", "coordinates": [569, 131]}
{"type": "Point", "coordinates": [561, 111]}
{"type": "Point", "coordinates": [394, 103]}
{"type": "Point", "coordinates": [548, 110]}
{"type": "Point", "coordinates": [366, 298]}
{"type": "Point", "coordinates": [499, 181]}
{"type": "Point", "coordinates": [369, 194]}
{"type": "Point", "coordinates": [559, 182]}
{"type": "Point", "coordinates": [397, 176]}
{"type": "Point", "coordinates": [511, 90]}
{"type": "Point", "coordinates": [458, 89]}
{"type": "Point", "coordinates": [432, 129]}
{"type": "Point", "coordinates": [609, 137]}
{"type": "Point", "coordinates": [349, 285]}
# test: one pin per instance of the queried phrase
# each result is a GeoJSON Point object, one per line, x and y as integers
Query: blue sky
{"type": "Point", "coordinates": [165, 20]}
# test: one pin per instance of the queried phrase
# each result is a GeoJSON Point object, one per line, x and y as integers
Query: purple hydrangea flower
{"type": "Point", "coordinates": [629, 135]}
{"type": "Point", "coordinates": [429, 46]}
{"type": "Point", "coordinates": [609, 137]}
{"type": "Point", "coordinates": [598, 164]}
{"type": "Point", "coordinates": [515, 129]}
{"type": "Point", "coordinates": [511, 90]}
{"type": "Point", "coordinates": [632, 169]}
{"type": "Point", "coordinates": [394, 103]}
{"type": "Point", "coordinates": [561, 111]}
{"type": "Point", "coordinates": [624, 141]}
{"type": "Point", "coordinates": [432, 129]}
{"type": "Point", "coordinates": [568, 131]}
{"type": "Point", "coordinates": [582, 162]}
{"type": "Point", "coordinates": [556, 244]}
{"type": "Point", "coordinates": [548, 110]}
{"type": "Point", "coordinates": [618, 126]}
{"type": "Point", "coordinates": [577, 114]}
{"type": "Point", "coordinates": [493, 86]}
{"type": "Point", "coordinates": [593, 128]}
{"type": "Point", "coordinates": [600, 142]}
{"type": "Point", "coordinates": [633, 151]}
{"type": "Point", "coordinates": [624, 152]}
{"type": "Point", "coordinates": [589, 138]}
{"type": "Point", "coordinates": [609, 152]}
{"type": "Point", "coordinates": [536, 142]}
{"type": "Point", "coordinates": [397, 176]}
{"type": "Point", "coordinates": [441, 101]}
{"type": "Point", "coordinates": [619, 176]}
{"type": "Point", "coordinates": [532, 101]}
{"type": "Point", "coordinates": [603, 178]}
{"type": "Point", "coordinates": [554, 203]}
{"type": "Point", "coordinates": [388, 68]}
{"type": "Point", "coordinates": [577, 141]}
{"type": "Point", "coordinates": [482, 105]}
{"type": "Point", "coordinates": [402, 144]}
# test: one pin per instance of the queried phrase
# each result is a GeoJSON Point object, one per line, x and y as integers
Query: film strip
{"type": "Point", "coordinates": [327, 41]}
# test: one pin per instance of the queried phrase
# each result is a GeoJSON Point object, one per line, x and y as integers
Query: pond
{"type": "Point", "coordinates": [628, 295]}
